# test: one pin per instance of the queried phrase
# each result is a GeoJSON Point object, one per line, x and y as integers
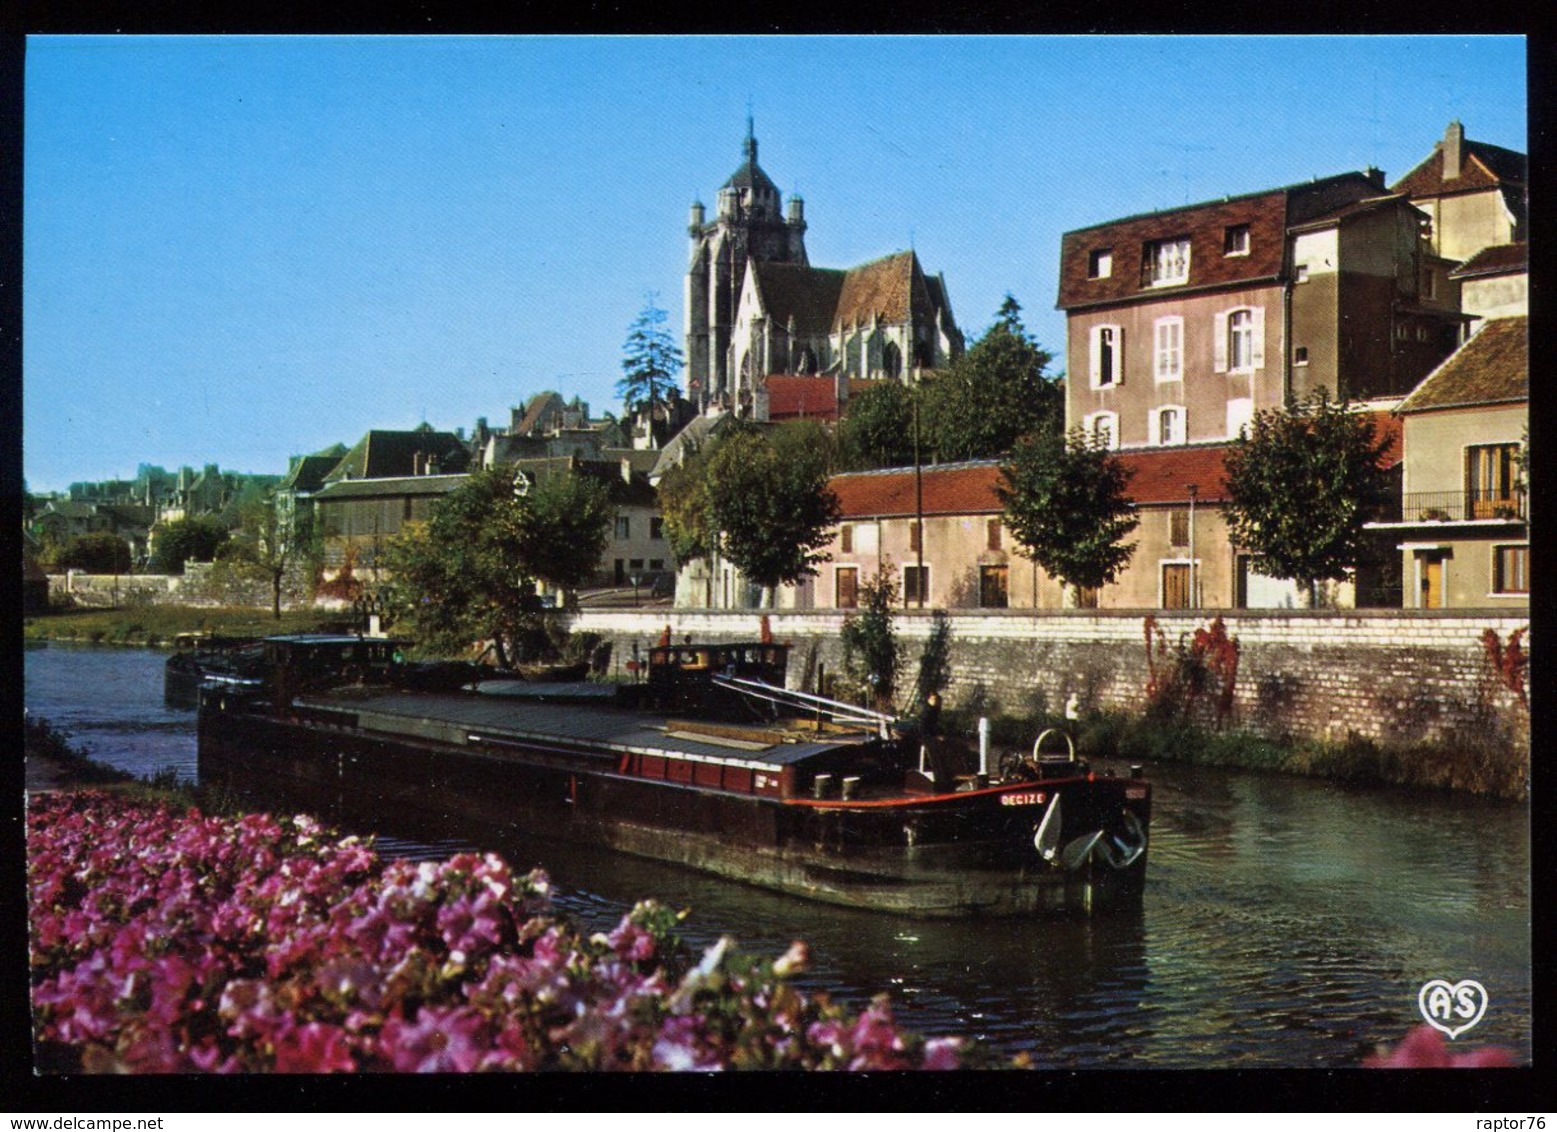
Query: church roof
{"type": "Point", "coordinates": [750, 174]}
{"type": "Point", "coordinates": [809, 295]}
{"type": "Point", "coordinates": [883, 288]}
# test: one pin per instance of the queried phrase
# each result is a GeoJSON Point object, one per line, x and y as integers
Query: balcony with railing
{"type": "Point", "coordinates": [1416, 508]}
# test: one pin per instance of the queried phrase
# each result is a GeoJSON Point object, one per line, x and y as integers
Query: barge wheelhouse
{"type": "Point", "coordinates": [708, 763]}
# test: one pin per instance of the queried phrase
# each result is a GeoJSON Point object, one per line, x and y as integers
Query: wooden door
{"type": "Point", "coordinates": [848, 587]}
{"type": "Point", "coordinates": [1175, 585]}
{"type": "Point", "coordinates": [1432, 583]}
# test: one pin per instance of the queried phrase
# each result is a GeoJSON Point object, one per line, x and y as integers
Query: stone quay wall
{"type": "Point", "coordinates": [1392, 676]}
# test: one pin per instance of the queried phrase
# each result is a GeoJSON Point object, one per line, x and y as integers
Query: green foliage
{"type": "Point", "coordinates": [566, 529]}
{"type": "Point", "coordinates": [469, 573]}
{"type": "Point", "coordinates": [993, 395]}
{"type": "Point", "coordinates": [872, 656]}
{"type": "Point", "coordinates": [935, 660]}
{"type": "Point", "coordinates": [270, 543]}
{"type": "Point", "coordinates": [1300, 485]}
{"type": "Point", "coordinates": [650, 360]}
{"type": "Point", "coordinates": [198, 539]}
{"type": "Point", "coordinates": [1066, 503]}
{"type": "Point", "coordinates": [683, 502]}
{"type": "Point", "coordinates": [766, 494]}
{"type": "Point", "coordinates": [878, 429]}
{"type": "Point", "coordinates": [99, 553]}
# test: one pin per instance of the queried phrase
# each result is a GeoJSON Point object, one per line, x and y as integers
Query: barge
{"type": "Point", "coordinates": [198, 657]}
{"type": "Point", "coordinates": [710, 763]}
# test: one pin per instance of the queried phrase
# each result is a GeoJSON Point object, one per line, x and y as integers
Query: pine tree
{"type": "Point", "coordinates": [650, 360]}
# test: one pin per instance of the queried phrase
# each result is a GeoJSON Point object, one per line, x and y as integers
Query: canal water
{"type": "Point", "coordinates": [1287, 922]}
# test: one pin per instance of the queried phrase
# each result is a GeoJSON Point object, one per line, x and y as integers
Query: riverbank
{"type": "Point", "coordinates": [156, 626]}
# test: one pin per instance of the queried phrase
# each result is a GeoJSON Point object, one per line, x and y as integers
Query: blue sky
{"type": "Point", "coordinates": [240, 249]}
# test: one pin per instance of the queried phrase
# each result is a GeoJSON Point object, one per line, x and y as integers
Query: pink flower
{"type": "Point", "coordinates": [470, 925]}
{"type": "Point", "coordinates": [441, 1040]}
{"type": "Point", "coordinates": [941, 1053]}
{"type": "Point", "coordinates": [1425, 1048]}
{"type": "Point", "coordinates": [631, 942]}
{"type": "Point", "coordinates": [314, 1047]}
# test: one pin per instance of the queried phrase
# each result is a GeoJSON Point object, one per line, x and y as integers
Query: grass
{"type": "Point", "coordinates": [156, 625]}
{"type": "Point", "coordinates": [1474, 763]}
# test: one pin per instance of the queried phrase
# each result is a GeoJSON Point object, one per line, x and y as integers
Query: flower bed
{"type": "Point", "coordinates": [177, 942]}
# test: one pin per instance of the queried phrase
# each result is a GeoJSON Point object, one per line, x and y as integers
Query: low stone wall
{"type": "Point", "coordinates": [1388, 675]}
{"type": "Point", "coordinates": [115, 589]}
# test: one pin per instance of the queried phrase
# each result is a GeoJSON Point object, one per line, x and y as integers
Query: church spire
{"type": "Point", "coordinates": [750, 145]}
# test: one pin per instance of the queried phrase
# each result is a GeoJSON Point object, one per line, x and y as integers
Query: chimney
{"type": "Point", "coordinates": [1453, 145]}
{"type": "Point", "coordinates": [1376, 176]}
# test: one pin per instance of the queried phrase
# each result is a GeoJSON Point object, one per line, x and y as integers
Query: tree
{"type": "Point", "coordinates": [1065, 502]}
{"type": "Point", "coordinates": [993, 395]}
{"type": "Point", "coordinates": [650, 360]}
{"type": "Point", "coordinates": [184, 540]}
{"type": "Point", "coordinates": [470, 571]}
{"type": "Point", "coordinates": [99, 553]}
{"type": "Point", "coordinates": [872, 654]}
{"type": "Point", "coordinates": [565, 530]}
{"type": "Point", "coordinates": [878, 429]}
{"type": "Point", "coordinates": [760, 498]}
{"type": "Point", "coordinates": [272, 542]}
{"type": "Point", "coordinates": [683, 502]}
{"type": "Point", "coordinates": [1301, 482]}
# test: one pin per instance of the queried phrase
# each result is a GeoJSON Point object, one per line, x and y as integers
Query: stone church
{"type": "Point", "coordinates": [755, 306]}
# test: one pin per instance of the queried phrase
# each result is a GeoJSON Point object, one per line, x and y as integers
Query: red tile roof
{"type": "Point", "coordinates": [949, 489]}
{"type": "Point", "coordinates": [801, 397]}
{"type": "Point", "coordinates": [1492, 367]}
{"type": "Point", "coordinates": [1499, 259]}
{"type": "Point", "coordinates": [1482, 166]}
{"type": "Point", "coordinates": [1159, 477]}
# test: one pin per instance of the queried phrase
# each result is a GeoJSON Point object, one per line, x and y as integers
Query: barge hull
{"type": "Point", "coordinates": [901, 862]}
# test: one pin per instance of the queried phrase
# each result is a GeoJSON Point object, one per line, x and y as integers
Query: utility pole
{"type": "Point", "coordinates": [919, 503]}
{"type": "Point", "coordinates": [1194, 602]}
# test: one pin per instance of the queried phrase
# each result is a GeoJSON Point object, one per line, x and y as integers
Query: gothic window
{"type": "Point", "coordinates": [891, 360]}
{"type": "Point", "coordinates": [924, 357]}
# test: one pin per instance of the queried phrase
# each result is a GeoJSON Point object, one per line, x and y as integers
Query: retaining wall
{"type": "Point", "coordinates": [1388, 675]}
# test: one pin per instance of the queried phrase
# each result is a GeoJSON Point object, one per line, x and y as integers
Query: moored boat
{"type": "Point", "coordinates": [709, 763]}
{"type": "Point", "coordinates": [198, 657]}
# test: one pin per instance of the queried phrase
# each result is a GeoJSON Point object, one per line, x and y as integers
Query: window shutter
{"type": "Point", "coordinates": [1095, 343]}
{"type": "Point", "coordinates": [1257, 335]}
{"type": "Point", "coordinates": [1219, 348]}
{"type": "Point", "coordinates": [1153, 431]}
{"type": "Point", "coordinates": [1119, 347]}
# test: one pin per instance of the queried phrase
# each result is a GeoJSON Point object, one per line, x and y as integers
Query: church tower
{"type": "Point", "coordinates": [749, 223]}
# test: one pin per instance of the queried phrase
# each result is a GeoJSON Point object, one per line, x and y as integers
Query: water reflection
{"type": "Point", "coordinates": [1286, 922]}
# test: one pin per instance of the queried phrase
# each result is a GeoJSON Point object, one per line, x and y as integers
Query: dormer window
{"type": "Point", "coordinates": [1100, 263]}
{"type": "Point", "coordinates": [1235, 240]}
{"type": "Point", "coordinates": [1165, 262]}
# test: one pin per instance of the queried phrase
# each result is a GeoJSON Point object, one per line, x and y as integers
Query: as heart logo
{"type": "Point", "coordinates": [1452, 1007]}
